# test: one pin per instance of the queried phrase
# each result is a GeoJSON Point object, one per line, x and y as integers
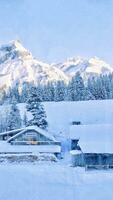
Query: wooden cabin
{"type": "Point", "coordinates": [31, 139]}
{"type": "Point", "coordinates": [95, 144]}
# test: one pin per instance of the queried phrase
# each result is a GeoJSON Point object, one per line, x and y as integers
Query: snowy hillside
{"type": "Point", "coordinates": [17, 65]}
{"type": "Point", "coordinates": [87, 68]}
{"type": "Point", "coordinates": [61, 114]}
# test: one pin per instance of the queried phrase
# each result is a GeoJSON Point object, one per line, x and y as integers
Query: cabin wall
{"type": "Point", "coordinates": [35, 143]}
{"type": "Point", "coordinates": [31, 135]}
{"type": "Point", "coordinates": [77, 160]}
{"type": "Point", "coordinates": [98, 159]}
{"type": "Point", "coordinates": [92, 159]}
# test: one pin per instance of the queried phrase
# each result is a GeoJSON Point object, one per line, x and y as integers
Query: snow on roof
{"type": "Point", "coordinates": [11, 132]}
{"type": "Point", "coordinates": [75, 152]}
{"type": "Point", "coordinates": [96, 138]}
{"type": "Point", "coordinates": [96, 147]}
{"type": "Point", "coordinates": [37, 129]}
{"type": "Point", "coordinates": [91, 131]}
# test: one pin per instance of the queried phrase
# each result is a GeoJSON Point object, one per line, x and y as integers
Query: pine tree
{"type": "Point", "coordinates": [2, 95]}
{"type": "Point", "coordinates": [48, 92]}
{"type": "Point", "coordinates": [59, 91]}
{"type": "Point", "coordinates": [13, 118]}
{"type": "Point", "coordinates": [88, 95]}
{"type": "Point", "coordinates": [70, 91]}
{"type": "Point", "coordinates": [24, 91]}
{"type": "Point", "coordinates": [36, 108]}
{"type": "Point", "coordinates": [76, 88]}
{"type": "Point", "coordinates": [98, 87]}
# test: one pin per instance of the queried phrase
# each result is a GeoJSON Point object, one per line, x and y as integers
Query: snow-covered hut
{"type": "Point", "coordinates": [30, 139]}
{"type": "Point", "coordinates": [93, 145]}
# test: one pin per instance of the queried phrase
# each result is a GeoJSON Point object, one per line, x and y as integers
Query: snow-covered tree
{"type": "Point", "coordinates": [13, 118]}
{"type": "Point", "coordinates": [25, 89]}
{"type": "Point", "coordinates": [3, 123]}
{"type": "Point", "coordinates": [76, 88]}
{"type": "Point", "coordinates": [36, 108]}
{"type": "Point", "coordinates": [97, 87]}
{"type": "Point", "coordinates": [2, 95]}
{"type": "Point", "coordinates": [48, 92]}
{"type": "Point", "coordinates": [59, 91]}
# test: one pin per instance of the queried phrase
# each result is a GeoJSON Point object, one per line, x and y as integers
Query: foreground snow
{"type": "Point", "coordinates": [53, 181]}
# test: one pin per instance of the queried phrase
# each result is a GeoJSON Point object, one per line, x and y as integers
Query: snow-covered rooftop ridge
{"type": "Point", "coordinates": [75, 152]}
{"type": "Point", "coordinates": [11, 132]}
{"type": "Point", "coordinates": [90, 130]}
{"type": "Point", "coordinates": [97, 147]}
{"type": "Point", "coordinates": [95, 138]}
{"type": "Point", "coordinates": [37, 129]}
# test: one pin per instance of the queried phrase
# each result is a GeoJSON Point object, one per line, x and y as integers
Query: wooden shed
{"type": "Point", "coordinates": [95, 145]}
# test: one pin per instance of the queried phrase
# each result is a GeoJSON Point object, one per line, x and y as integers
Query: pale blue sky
{"type": "Point", "coordinates": [56, 29]}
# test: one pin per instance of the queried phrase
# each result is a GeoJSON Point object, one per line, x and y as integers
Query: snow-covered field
{"type": "Point", "coordinates": [54, 181]}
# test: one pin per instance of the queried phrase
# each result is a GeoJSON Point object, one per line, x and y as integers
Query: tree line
{"type": "Point", "coordinates": [76, 90]}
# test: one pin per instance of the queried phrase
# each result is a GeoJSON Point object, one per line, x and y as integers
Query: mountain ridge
{"type": "Point", "coordinates": [17, 65]}
{"type": "Point", "coordinates": [86, 67]}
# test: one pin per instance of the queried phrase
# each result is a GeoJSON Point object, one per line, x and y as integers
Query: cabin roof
{"type": "Point", "coordinates": [96, 147]}
{"type": "Point", "coordinates": [95, 138]}
{"type": "Point", "coordinates": [35, 128]}
{"type": "Point", "coordinates": [11, 132]}
{"type": "Point", "coordinates": [75, 152]}
{"type": "Point", "coordinates": [20, 131]}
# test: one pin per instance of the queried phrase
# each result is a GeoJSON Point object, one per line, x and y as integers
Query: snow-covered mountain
{"type": "Point", "coordinates": [17, 65]}
{"type": "Point", "coordinates": [87, 68]}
